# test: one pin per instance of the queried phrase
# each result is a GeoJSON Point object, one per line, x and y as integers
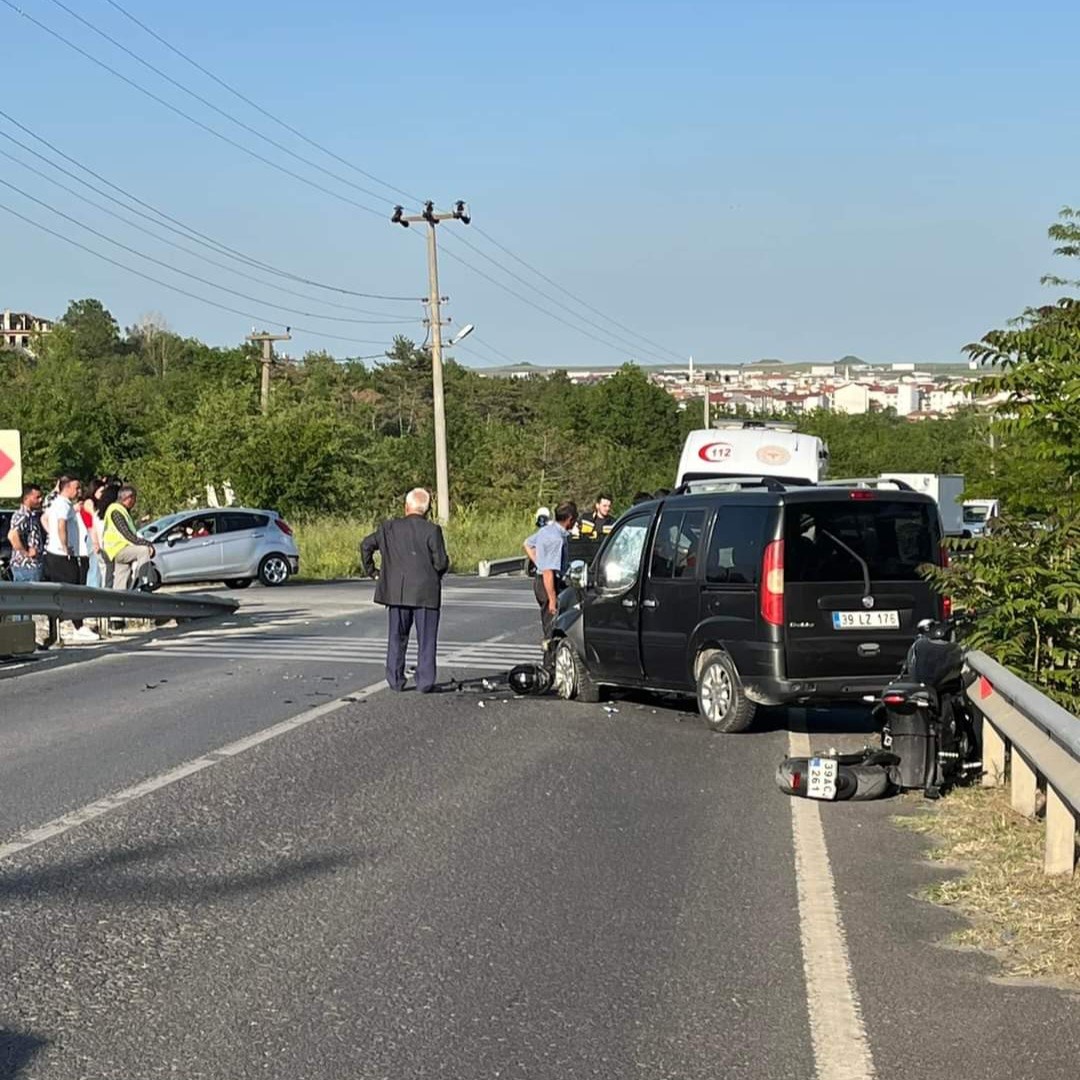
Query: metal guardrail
{"type": "Point", "coordinates": [80, 602]}
{"type": "Point", "coordinates": [1032, 742]}
{"type": "Point", "coordinates": [577, 548]}
{"type": "Point", "coordinates": [514, 564]}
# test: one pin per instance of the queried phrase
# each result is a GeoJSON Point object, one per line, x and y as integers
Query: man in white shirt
{"type": "Point", "coordinates": [62, 544]}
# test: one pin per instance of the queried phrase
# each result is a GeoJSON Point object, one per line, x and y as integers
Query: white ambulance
{"type": "Point", "coordinates": [753, 448]}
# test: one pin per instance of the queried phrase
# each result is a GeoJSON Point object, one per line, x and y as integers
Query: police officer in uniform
{"type": "Point", "coordinates": [599, 522]}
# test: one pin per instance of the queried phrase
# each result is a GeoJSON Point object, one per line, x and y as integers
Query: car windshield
{"type": "Point", "coordinates": [975, 514]}
{"type": "Point", "coordinates": [162, 523]}
{"type": "Point", "coordinates": [896, 539]}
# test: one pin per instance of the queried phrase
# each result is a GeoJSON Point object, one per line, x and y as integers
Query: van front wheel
{"type": "Point", "coordinates": [722, 702]}
{"type": "Point", "coordinates": [571, 679]}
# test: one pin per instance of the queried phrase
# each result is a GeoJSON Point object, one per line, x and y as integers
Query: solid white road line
{"type": "Point", "coordinates": [67, 822]}
{"type": "Point", "coordinates": [841, 1046]}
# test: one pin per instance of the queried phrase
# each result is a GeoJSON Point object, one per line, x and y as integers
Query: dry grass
{"type": "Point", "coordinates": [1031, 921]}
{"type": "Point", "coordinates": [329, 546]}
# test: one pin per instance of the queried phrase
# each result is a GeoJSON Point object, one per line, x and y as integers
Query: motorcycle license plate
{"type": "Point", "coordinates": [821, 782]}
{"type": "Point", "coordinates": [866, 620]}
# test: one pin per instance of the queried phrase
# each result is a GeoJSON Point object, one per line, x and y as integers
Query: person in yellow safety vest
{"type": "Point", "coordinates": [597, 524]}
{"type": "Point", "coordinates": [123, 546]}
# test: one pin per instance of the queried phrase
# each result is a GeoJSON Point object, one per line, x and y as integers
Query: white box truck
{"type": "Point", "coordinates": [946, 488]}
{"type": "Point", "coordinates": [753, 448]}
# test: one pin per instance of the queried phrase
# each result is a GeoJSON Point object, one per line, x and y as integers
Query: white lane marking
{"type": "Point", "coordinates": [475, 660]}
{"type": "Point", "coordinates": [841, 1046]}
{"type": "Point", "coordinates": [98, 808]}
{"type": "Point", "coordinates": [303, 641]}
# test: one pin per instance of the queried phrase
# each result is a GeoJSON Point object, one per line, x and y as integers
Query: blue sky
{"type": "Point", "coordinates": [732, 180]}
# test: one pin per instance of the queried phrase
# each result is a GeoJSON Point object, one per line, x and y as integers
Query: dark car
{"type": "Point", "coordinates": [767, 595]}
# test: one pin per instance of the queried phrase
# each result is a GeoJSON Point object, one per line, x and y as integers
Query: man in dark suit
{"type": "Point", "coordinates": [414, 560]}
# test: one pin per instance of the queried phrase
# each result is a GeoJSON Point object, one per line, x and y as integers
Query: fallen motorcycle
{"type": "Point", "coordinates": [930, 735]}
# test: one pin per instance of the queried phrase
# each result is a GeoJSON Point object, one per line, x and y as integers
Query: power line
{"type": "Point", "coordinates": [303, 179]}
{"type": "Point", "coordinates": [176, 270]}
{"type": "Point", "coordinates": [210, 105]}
{"type": "Point", "coordinates": [183, 230]}
{"type": "Point", "coordinates": [625, 341]}
{"type": "Point", "coordinates": [183, 247]}
{"type": "Point", "coordinates": [525, 300]}
{"type": "Point", "coordinates": [184, 292]}
{"type": "Point", "coordinates": [370, 176]}
{"type": "Point", "coordinates": [475, 343]}
{"type": "Point", "coordinates": [577, 299]}
{"type": "Point", "coordinates": [255, 105]}
{"type": "Point", "coordinates": [187, 116]}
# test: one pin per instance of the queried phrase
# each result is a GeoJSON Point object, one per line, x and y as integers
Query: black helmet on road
{"type": "Point", "coordinates": [531, 679]}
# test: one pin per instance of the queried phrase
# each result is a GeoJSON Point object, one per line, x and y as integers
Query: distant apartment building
{"type": "Point", "coordinates": [851, 398]}
{"type": "Point", "coordinates": [20, 329]}
{"type": "Point", "coordinates": [908, 399]}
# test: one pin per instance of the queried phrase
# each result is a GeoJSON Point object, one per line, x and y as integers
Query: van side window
{"type": "Point", "coordinates": [736, 545]}
{"type": "Point", "coordinates": [621, 562]}
{"type": "Point", "coordinates": [677, 545]}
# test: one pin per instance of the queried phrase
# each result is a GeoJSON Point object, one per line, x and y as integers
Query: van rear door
{"type": "Point", "coordinates": [854, 591]}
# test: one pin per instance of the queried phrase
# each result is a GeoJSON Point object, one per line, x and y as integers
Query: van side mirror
{"type": "Point", "coordinates": [579, 574]}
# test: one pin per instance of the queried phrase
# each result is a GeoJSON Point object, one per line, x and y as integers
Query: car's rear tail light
{"type": "Point", "coordinates": [860, 493]}
{"type": "Point", "coordinates": [772, 584]}
{"type": "Point", "coordinates": [946, 601]}
{"type": "Point", "coordinates": [283, 525]}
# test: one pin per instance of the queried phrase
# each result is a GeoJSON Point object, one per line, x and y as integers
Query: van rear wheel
{"type": "Point", "coordinates": [722, 702]}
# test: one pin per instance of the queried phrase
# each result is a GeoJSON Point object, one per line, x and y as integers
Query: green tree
{"type": "Point", "coordinates": [1020, 585]}
{"type": "Point", "coordinates": [95, 333]}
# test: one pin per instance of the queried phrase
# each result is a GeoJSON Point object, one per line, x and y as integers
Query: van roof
{"type": "Point", "coordinates": [799, 493]}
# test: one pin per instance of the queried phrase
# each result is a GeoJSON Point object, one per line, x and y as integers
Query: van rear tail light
{"type": "Point", "coordinates": [283, 525]}
{"type": "Point", "coordinates": [946, 601]}
{"type": "Point", "coordinates": [772, 584]}
{"type": "Point", "coordinates": [861, 494]}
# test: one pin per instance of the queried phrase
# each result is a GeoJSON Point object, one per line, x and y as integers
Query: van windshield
{"type": "Point", "coordinates": [895, 538]}
{"type": "Point", "coordinates": [974, 514]}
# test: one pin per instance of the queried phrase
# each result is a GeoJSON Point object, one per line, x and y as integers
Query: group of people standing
{"type": "Point", "coordinates": [79, 534]}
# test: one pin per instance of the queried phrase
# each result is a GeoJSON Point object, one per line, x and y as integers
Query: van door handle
{"type": "Point", "coordinates": [629, 602]}
{"type": "Point", "coordinates": [650, 603]}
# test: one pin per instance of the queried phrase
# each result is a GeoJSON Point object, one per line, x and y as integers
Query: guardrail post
{"type": "Point", "coordinates": [993, 755]}
{"type": "Point", "coordinates": [1024, 785]}
{"type": "Point", "coordinates": [1060, 854]}
{"type": "Point", "coordinates": [484, 569]}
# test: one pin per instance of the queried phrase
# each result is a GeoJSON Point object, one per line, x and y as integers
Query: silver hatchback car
{"type": "Point", "coordinates": [235, 545]}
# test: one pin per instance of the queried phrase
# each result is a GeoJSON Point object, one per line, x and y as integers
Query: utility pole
{"type": "Point", "coordinates": [432, 217]}
{"type": "Point", "coordinates": [267, 340]}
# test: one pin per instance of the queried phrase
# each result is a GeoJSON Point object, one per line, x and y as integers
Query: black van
{"type": "Point", "coordinates": [769, 595]}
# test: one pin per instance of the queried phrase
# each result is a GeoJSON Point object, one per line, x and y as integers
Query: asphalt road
{"type": "Point", "coordinates": [459, 885]}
